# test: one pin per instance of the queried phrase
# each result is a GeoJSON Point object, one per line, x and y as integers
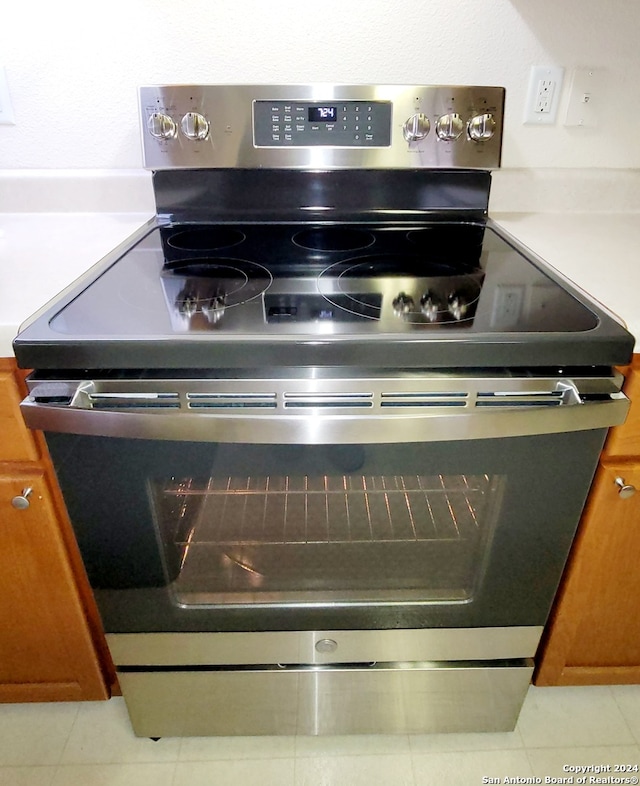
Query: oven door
{"type": "Point", "coordinates": [246, 536]}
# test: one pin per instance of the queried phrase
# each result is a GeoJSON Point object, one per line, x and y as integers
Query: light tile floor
{"type": "Point", "coordinates": [92, 744]}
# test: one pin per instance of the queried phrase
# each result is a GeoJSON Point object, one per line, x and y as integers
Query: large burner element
{"type": "Point", "coordinates": [411, 288]}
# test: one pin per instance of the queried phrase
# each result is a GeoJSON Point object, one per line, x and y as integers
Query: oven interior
{"type": "Point", "coordinates": [325, 538]}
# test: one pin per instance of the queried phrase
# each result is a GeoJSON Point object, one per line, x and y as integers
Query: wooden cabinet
{"type": "Point", "coordinates": [51, 646]}
{"type": "Point", "coordinates": [593, 636]}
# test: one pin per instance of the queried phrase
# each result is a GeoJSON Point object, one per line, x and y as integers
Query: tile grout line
{"type": "Point", "coordinates": [624, 716]}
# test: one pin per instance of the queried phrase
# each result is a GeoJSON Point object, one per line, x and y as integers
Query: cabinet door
{"type": "Point", "coordinates": [624, 440]}
{"type": "Point", "coordinates": [46, 650]}
{"type": "Point", "coordinates": [17, 441]}
{"type": "Point", "coordinates": [594, 636]}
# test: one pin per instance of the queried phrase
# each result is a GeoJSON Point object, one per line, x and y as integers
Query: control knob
{"type": "Point", "coordinates": [457, 306]}
{"type": "Point", "coordinates": [161, 126]}
{"type": "Point", "coordinates": [214, 308]}
{"type": "Point", "coordinates": [194, 126]}
{"type": "Point", "coordinates": [449, 127]}
{"type": "Point", "coordinates": [403, 304]}
{"type": "Point", "coordinates": [429, 306]}
{"type": "Point", "coordinates": [481, 127]}
{"type": "Point", "coordinates": [416, 127]}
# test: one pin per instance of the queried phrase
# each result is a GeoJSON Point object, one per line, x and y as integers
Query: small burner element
{"type": "Point", "coordinates": [205, 238]}
{"type": "Point", "coordinates": [333, 239]}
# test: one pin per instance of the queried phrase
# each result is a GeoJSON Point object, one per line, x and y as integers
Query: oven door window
{"type": "Point", "coordinates": [228, 537]}
{"type": "Point", "coordinates": [335, 531]}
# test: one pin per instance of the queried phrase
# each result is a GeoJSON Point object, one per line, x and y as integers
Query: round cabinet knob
{"type": "Point", "coordinates": [194, 126]}
{"type": "Point", "coordinates": [416, 127]}
{"type": "Point", "coordinates": [21, 502]}
{"type": "Point", "coordinates": [449, 127]}
{"type": "Point", "coordinates": [625, 490]}
{"type": "Point", "coordinates": [481, 127]}
{"type": "Point", "coordinates": [161, 126]}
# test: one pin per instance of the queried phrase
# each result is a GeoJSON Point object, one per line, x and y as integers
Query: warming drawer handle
{"type": "Point", "coordinates": [21, 501]}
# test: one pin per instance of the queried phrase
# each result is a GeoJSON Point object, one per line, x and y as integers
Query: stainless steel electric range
{"type": "Point", "coordinates": [324, 432]}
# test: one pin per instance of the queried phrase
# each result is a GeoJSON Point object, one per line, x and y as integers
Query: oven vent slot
{"type": "Point", "coordinates": [522, 399]}
{"type": "Point", "coordinates": [446, 399]}
{"type": "Point", "coordinates": [327, 400]}
{"type": "Point", "coordinates": [231, 400]}
{"type": "Point", "coordinates": [134, 400]}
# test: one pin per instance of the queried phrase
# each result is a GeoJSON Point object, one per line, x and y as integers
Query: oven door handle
{"type": "Point", "coordinates": [80, 408]}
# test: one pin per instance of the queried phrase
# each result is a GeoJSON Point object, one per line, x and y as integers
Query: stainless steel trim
{"type": "Point", "coordinates": [324, 410]}
{"type": "Point", "coordinates": [353, 646]}
{"type": "Point", "coordinates": [407, 698]}
{"type": "Point", "coordinates": [230, 138]}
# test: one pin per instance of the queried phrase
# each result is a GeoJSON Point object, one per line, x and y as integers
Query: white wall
{"type": "Point", "coordinates": [73, 67]}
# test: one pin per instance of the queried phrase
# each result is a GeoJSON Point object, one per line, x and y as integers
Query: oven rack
{"type": "Point", "coordinates": [337, 509]}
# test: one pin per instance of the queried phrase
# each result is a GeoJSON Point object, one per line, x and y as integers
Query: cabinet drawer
{"type": "Point", "coordinates": [624, 440]}
{"type": "Point", "coordinates": [18, 443]}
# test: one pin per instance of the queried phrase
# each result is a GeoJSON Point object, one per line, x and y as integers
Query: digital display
{"type": "Point", "coordinates": [323, 114]}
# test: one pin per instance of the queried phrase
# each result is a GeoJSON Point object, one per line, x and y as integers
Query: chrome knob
{"type": "Point", "coordinates": [416, 127]}
{"type": "Point", "coordinates": [194, 126]}
{"type": "Point", "coordinates": [457, 306]}
{"type": "Point", "coordinates": [213, 309]}
{"type": "Point", "coordinates": [21, 502]}
{"type": "Point", "coordinates": [429, 306]}
{"type": "Point", "coordinates": [403, 304]}
{"type": "Point", "coordinates": [161, 126]}
{"type": "Point", "coordinates": [449, 127]}
{"type": "Point", "coordinates": [625, 490]}
{"type": "Point", "coordinates": [481, 127]}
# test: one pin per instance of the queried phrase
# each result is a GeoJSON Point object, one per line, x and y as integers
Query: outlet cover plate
{"type": "Point", "coordinates": [543, 95]}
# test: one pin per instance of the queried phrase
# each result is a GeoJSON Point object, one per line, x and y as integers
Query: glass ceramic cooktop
{"type": "Point", "coordinates": [264, 279]}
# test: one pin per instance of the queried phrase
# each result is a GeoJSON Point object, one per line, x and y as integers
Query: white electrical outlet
{"type": "Point", "coordinates": [543, 96]}
{"type": "Point", "coordinates": [6, 110]}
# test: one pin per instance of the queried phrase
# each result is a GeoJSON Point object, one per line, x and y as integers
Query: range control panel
{"type": "Point", "coordinates": [321, 126]}
{"type": "Point", "coordinates": [318, 123]}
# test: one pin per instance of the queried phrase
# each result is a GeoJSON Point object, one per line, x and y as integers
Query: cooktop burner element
{"type": "Point", "coordinates": [429, 293]}
{"type": "Point", "coordinates": [333, 239]}
{"type": "Point", "coordinates": [205, 239]}
{"type": "Point", "coordinates": [208, 286]}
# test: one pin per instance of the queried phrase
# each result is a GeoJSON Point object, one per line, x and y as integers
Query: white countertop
{"type": "Point", "coordinates": [41, 253]}
{"type": "Point", "coordinates": [598, 252]}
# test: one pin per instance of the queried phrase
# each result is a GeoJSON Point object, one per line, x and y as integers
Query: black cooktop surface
{"type": "Point", "coordinates": [281, 279]}
{"type": "Point", "coordinates": [243, 294]}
